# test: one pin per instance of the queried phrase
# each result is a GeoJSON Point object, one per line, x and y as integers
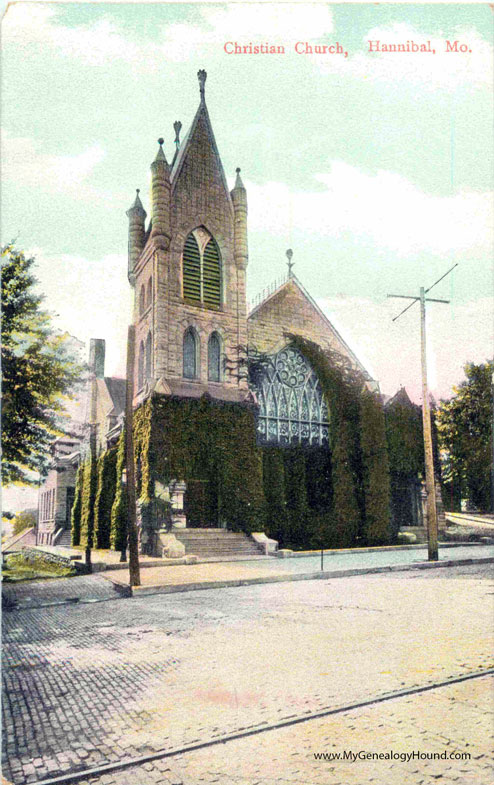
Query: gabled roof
{"type": "Point", "coordinates": [116, 389]}
{"type": "Point", "coordinates": [202, 114]}
{"type": "Point", "coordinates": [294, 281]}
{"type": "Point", "coordinates": [400, 398]}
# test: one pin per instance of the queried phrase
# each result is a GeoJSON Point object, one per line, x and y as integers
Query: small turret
{"type": "Point", "coordinates": [137, 232]}
{"type": "Point", "coordinates": [160, 194]}
{"type": "Point", "coordinates": [239, 199]}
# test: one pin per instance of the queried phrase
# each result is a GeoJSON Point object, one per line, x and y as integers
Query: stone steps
{"type": "Point", "coordinates": [216, 543]}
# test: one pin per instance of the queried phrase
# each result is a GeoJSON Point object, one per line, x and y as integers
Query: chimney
{"type": "Point", "coordinates": [97, 357]}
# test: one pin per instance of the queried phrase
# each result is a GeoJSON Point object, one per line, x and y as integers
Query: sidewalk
{"type": "Point", "coordinates": [167, 579]}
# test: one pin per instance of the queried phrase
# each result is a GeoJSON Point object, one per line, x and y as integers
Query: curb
{"type": "Point", "coordinates": [141, 591]}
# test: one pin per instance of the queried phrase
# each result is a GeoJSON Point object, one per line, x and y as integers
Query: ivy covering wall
{"type": "Point", "coordinates": [88, 496]}
{"type": "Point", "coordinates": [105, 495]}
{"type": "Point", "coordinates": [75, 515]}
{"type": "Point", "coordinates": [118, 526]}
{"type": "Point", "coordinates": [304, 497]}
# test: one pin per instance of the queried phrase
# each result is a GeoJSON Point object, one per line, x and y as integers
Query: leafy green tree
{"type": "Point", "coordinates": [38, 371]}
{"type": "Point", "coordinates": [22, 521]}
{"type": "Point", "coordinates": [375, 470]}
{"type": "Point", "coordinates": [464, 427]}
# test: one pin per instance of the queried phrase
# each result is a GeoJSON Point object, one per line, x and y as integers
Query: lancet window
{"type": "Point", "coordinates": [214, 358]}
{"type": "Point", "coordinates": [190, 354]}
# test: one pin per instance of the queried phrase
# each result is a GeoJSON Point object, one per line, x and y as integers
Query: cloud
{"type": "Point", "coordinates": [101, 42]}
{"type": "Point", "coordinates": [456, 334]}
{"type": "Point", "coordinates": [384, 206]}
{"type": "Point", "coordinates": [440, 71]}
{"type": "Point", "coordinates": [89, 298]}
{"type": "Point", "coordinates": [25, 163]}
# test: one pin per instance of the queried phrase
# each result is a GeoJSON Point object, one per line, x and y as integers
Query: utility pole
{"type": "Point", "coordinates": [426, 416]}
{"type": "Point", "coordinates": [134, 574]}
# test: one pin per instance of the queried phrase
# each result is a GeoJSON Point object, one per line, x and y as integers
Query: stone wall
{"type": "Point", "coordinates": [289, 310]}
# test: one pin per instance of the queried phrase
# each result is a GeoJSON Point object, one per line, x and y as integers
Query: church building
{"type": "Point", "coordinates": [261, 413]}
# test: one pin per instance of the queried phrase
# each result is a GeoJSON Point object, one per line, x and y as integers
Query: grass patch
{"type": "Point", "coordinates": [18, 567]}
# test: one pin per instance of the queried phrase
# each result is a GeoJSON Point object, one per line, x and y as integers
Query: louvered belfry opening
{"type": "Point", "coordinates": [211, 275]}
{"type": "Point", "coordinates": [201, 270]}
{"type": "Point", "coordinates": [192, 270]}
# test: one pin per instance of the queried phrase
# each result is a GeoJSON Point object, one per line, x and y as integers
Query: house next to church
{"type": "Point", "coordinates": [235, 404]}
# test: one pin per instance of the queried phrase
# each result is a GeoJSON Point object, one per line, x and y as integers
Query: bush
{"type": "Point", "coordinates": [23, 521]}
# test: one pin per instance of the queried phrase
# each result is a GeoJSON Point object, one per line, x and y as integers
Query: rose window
{"type": "Point", "coordinates": [292, 409]}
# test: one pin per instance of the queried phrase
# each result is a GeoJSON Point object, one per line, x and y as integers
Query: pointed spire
{"type": "Point", "coordinates": [238, 179]}
{"type": "Point", "coordinates": [136, 208]}
{"type": "Point", "coordinates": [202, 76]}
{"type": "Point", "coordinates": [160, 155]}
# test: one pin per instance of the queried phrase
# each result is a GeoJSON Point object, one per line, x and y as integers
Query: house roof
{"type": "Point", "coordinates": [116, 389]}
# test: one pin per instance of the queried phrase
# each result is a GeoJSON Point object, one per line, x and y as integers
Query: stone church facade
{"type": "Point", "coordinates": [188, 270]}
{"type": "Point", "coordinates": [193, 332]}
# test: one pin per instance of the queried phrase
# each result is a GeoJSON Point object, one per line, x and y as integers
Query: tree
{"type": "Point", "coordinates": [38, 372]}
{"type": "Point", "coordinates": [22, 521]}
{"type": "Point", "coordinates": [464, 426]}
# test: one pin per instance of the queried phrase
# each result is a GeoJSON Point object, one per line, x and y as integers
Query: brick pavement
{"type": "Point", "coordinates": [87, 685]}
{"type": "Point", "coordinates": [456, 720]}
{"type": "Point", "coordinates": [31, 594]}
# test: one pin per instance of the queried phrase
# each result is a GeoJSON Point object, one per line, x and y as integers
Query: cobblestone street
{"type": "Point", "coordinates": [87, 685]}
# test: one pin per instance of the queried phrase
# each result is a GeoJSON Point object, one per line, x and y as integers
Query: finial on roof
{"type": "Point", "coordinates": [177, 127]}
{"type": "Point", "coordinates": [238, 179]}
{"type": "Point", "coordinates": [202, 76]}
{"type": "Point", "coordinates": [137, 206]}
{"type": "Point", "coordinates": [160, 156]}
{"type": "Point", "coordinates": [289, 255]}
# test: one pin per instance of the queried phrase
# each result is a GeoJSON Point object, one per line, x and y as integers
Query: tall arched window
{"type": "Point", "coordinates": [142, 300]}
{"type": "Point", "coordinates": [190, 354]}
{"type": "Point", "coordinates": [214, 358]}
{"type": "Point", "coordinates": [149, 358]}
{"type": "Point", "coordinates": [149, 298]}
{"type": "Point", "coordinates": [140, 367]}
{"type": "Point", "coordinates": [292, 409]}
{"type": "Point", "coordinates": [201, 269]}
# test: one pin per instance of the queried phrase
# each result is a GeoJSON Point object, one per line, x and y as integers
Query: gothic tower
{"type": "Point", "coordinates": [188, 271]}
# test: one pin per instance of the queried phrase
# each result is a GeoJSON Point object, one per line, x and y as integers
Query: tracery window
{"type": "Point", "coordinates": [190, 354]}
{"type": "Point", "coordinates": [201, 269]}
{"type": "Point", "coordinates": [292, 409]}
{"type": "Point", "coordinates": [214, 358]}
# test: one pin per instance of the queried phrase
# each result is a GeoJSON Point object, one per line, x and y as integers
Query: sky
{"type": "Point", "coordinates": [375, 168]}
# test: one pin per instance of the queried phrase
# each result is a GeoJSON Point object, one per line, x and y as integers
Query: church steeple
{"type": "Point", "coordinates": [160, 196]}
{"type": "Point", "coordinates": [137, 216]}
{"type": "Point", "coordinates": [239, 199]}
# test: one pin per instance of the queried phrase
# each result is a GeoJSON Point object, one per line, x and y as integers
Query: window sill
{"type": "Point", "coordinates": [203, 306]}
